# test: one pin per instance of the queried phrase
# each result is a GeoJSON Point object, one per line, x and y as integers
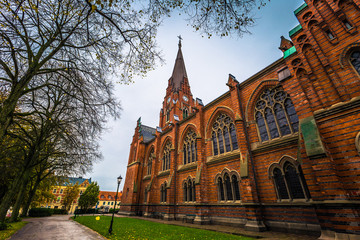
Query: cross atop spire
{"type": "Point", "coordinates": [180, 38]}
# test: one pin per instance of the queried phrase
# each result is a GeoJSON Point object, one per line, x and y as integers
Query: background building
{"type": "Point", "coordinates": [59, 192]}
{"type": "Point", "coordinates": [107, 200]}
{"type": "Point", "coordinates": [280, 150]}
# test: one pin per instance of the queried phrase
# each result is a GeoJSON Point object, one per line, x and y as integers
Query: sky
{"type": "Point", "coordinates": [208, 64]}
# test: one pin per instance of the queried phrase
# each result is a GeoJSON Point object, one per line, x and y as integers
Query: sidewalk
{"type": "Point", "coordinates": [268, 235]}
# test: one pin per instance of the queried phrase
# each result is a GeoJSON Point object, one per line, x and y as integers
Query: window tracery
{"type": "Point", "coordinates": [289, 182]}
{"type": "Point", "coordinates": [190, 147]}
{"type": "Point", "coordinates": [275, 114]}
{"type": "Point", "coordinates": [228, 187]}
{"type": "Point", "coordinates": [166, 157]}
{"type": "Point", "coordinates": [150, 161]}
{"type": "Point", "coordinates": [223, 135]}
{"type": "Point", "coordinates": [189, 190]}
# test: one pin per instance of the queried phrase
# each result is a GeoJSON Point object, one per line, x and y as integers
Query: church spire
{"type": "Point", "coordinates": [179, 73]}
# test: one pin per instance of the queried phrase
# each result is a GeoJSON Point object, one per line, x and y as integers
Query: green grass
{"type": "Point", "coordinates": [13, 227]}
{"type": "Point", "coordinates": [129, 228]}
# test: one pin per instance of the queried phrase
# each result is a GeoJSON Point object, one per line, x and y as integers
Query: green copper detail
{"type": "Point", "coordinates": [295, 30]}
{"type": "Point", "coordinates": [299, 9]}
{"type": "Point", "coordinates": [290, 51]}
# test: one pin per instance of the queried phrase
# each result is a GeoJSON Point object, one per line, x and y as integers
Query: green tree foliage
{"type": "Point", "coordinates": [90, 197]}
{"type": "Point", "coordinates": [71, 193]}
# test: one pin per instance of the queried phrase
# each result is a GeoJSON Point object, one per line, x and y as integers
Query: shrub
{"type": "Point", "coordinates": [3, 226]}
{"type": "Point", "coordinates": [112, 210]}
{"type": "Point", "coordinates": [83, 211]}
{"type": "Point", "coordinates": [40, 212]}
{"type": "Point", "coordinates": [59, 211]}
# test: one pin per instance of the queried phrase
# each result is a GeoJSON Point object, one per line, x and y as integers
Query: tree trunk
{"type": "Point", "coordinates": [19, 199]}
{"type": "Point", "coordinates": [9, 196]}
{"type": "Point", "coordinates": [30, 198]}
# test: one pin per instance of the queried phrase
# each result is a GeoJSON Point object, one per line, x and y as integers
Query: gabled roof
{"type": "Point", "coordinates": [109, 196]}
{"type": "Point", "coordinates": [147, 133]}
{"type": "Point", "coordinates": [78, 180]}
{"type": "Point", "coordinates": [179, 72]}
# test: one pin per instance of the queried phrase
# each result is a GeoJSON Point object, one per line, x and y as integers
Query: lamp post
{"type": "Point", "coordinates": [117, 189]}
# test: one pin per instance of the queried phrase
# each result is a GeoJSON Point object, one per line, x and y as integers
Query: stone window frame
{"type": "Point", "coordinates": [286, 181]}
{"type": "Point", "coordinates": [355, 68]}
{"type": "Point", "coordinates": [166, 157]}
{"type": "Point", "coordinates": [190, 142]}
{"type": "Point", "coordinates": [163, 193]}
{"type": "Point", "coordinates": [189, 190]}
{"type": "Point", "coordinates": [219, 125]}
{"type": "Point", "coordinates": [150, 160]}
{"type": "Point", "coordinates": [268, 101]}
{"type": "Point", "coordinates": [185, 111]}
{"type": "Point", "coordinates": [228, 191]}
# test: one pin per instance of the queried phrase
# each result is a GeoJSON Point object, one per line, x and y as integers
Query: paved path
{"type": "Point", "coordinates": [57, 227]}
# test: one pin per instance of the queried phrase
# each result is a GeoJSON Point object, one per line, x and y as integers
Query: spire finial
{"type": "Point", "coordinates": [180, 38]}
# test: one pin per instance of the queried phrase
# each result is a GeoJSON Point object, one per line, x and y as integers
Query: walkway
{"type": "Point", "coordinates": [57, 227]}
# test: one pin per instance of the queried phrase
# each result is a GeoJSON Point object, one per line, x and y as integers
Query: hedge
{"type": "Point", "coordinates": [40, 212]}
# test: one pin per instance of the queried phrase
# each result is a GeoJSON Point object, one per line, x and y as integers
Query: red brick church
{"type": "Point", "coordinates": [279, 150]}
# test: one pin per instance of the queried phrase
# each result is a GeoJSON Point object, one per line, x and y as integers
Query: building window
{"type": "Point", "coordinates": [104, 203]}
{"type": "Point", "coordinates": [223, 135]}
{"type": "Point", "coordinates": [355, 60]}
{"type": "Point", "coordinates": [163, 192]}
{"type": "Point", "coordinates": [190, 147]}
{"type": "Point", "coordinates": [167, 115]}
{"type": "Point", "coordinates": [289, 182]}
{"type": "Point", "coordinates": [185, 112]}
{"type": "Point", "coordinates": [102, 197]}
{"type": "Point", "coordinates": [81, 192]}
{"type": "Point", "coordinates": [275, 114]}
{"type": "Point", "coordinates": [150, 160]}
{"type": "Point", "coordinates": [189, 190]}
{"type": "Point", "coordinates": [145, 195]}
{"type": "Point", "coordinates": [54, 191]}
{"type": "Point", "coordinates": [166, 157]}
{"type": "Point", "coordinates": [112, 203]}
{"type": "Point", "coordinates": [228, 187]}
{"type": "Point", "coordinates": [61, 191]}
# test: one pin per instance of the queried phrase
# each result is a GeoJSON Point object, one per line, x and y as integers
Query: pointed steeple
{"type": "Point", "coordinates": [179, 73]}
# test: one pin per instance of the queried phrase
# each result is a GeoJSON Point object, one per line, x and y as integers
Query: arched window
{"type": "Point", "coordinates": [228, 188]}
{"type": "Point", "coordinates": [223, 135]}
{"type": "Point", "coordinates": [145, 195]}
{"type": "Point", "coordinates": [291, 184]}
{"type": "Point", "coordinates": [185, 112]}
{"type": "Point", "coordinates": [355, 60]}
{"type": "Point", "coordinates": [190, 147]}
{"type": "Point", "coordinates": [150, 160]}
{"type": "Point", "coordinates": [235, 185]}
{"type": "Point", "coordinates": [167, 115]}
{"type": "Point", "coordinates": [166, 156]}
{"type": "Point", "coordinates": [275, 114]}
{"type": "Point", "coordinates": [163, 192]}
{"type": "Point", "coordinates": [189, 190]}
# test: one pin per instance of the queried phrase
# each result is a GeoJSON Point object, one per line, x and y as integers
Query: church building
{"type": "Point", "coordinates": [278, 151]}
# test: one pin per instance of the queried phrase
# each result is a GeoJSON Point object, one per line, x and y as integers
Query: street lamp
{"type": "Point", "coordinates": [117, 189]}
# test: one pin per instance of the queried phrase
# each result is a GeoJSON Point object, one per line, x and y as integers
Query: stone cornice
{"type": "Point", "coordinates": [133, 163]}
{"type": "Point", "coordinates": [277, 143]}
{"type": "Point", "coordinates": [163, 173]}
{"type": "Point", "coordinates": [338, 108]}
{"type": "Point", "coordinates": [223, 157]}
{"type": "Point", "coordinates": [188, 166]}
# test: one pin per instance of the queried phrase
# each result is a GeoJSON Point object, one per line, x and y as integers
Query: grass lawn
{"type": "Point", "coordinates": [129, 228]}
{"type": "Point", "coordinates": [13, 227]}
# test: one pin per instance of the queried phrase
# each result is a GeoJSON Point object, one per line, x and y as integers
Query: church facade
{"type": "Point", "coordinates": [279, 150]}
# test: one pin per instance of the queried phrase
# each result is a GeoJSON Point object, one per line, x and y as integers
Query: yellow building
{"type": "Point", "coordinates": [59, 193]}
{"type": "Point", "coordinates": [107, 200]}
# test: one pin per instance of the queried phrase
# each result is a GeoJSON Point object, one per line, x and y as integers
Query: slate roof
{"type": "Point", "coordinates": [147, 133]}
{"type": "Point", "coordinates": [179, 72]}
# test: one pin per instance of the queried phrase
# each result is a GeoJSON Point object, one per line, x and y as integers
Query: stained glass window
{"type": "Point", "coordinates": [166, 157]}
{"type": "Point", "coordinates": [229, 194]}
{"type": "Point", "coordinates": [293, 180]}
{"type": "Point", "coordinates": [190, 147]}
{"type": "Point", "coordinates": [280, 184]}
{"type": "Point", "coordinates": [221, 189]}
{"type": "Point", "coordinates": [235, 185]}
{"type": "Point", "coordinates": [355, 60]}
{"type": "Point", "coordinates": [275, 114]}
{"type": "Point", "coordinates": [223, 135]}
{"type": "Point", "coordinates": [150, 160]}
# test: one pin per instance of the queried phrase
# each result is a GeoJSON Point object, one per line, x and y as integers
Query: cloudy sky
{"type": "Point", "coordinates": [208, 63]}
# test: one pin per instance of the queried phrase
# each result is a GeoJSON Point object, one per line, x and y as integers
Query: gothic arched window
{"type": "Point", "coordinates": [163, 192]}
{"type": "Point", "coordinates": [275, 114]}
{"type": "Point", "coordinates": [290, 182]}
{"type": "Point", "coordinates": [166, 157]}
{"type": "Point", "coordinates": [228, 187]}
{"type": "Point", "coordinates": [223, 135]}
{"type": "Point", "coordinates": [355, 60]}
{"type": "Point", "coordinates": [150, 160]}
{"type": "Point", "coordinates": [190, 147]}
{"type": "Point", "coordinates": [185, 112]}
{"type": "Point", "coordinates": [189, 190]}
